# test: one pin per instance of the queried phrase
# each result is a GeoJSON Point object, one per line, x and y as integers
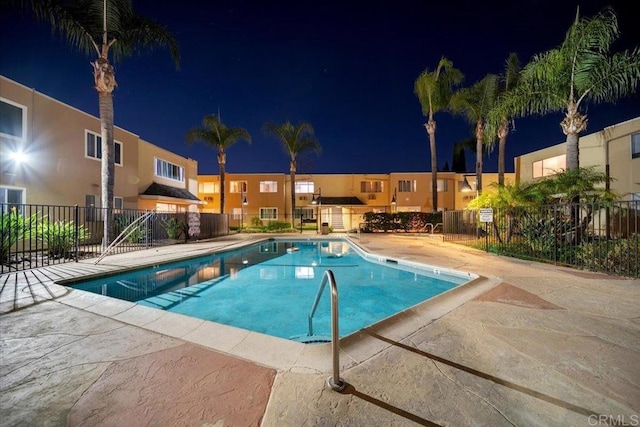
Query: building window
{"type": "Point", "coordinates": [443, 185]}
{"type": "Point", "coordinates": [170, 208]}
{"type": "Point", "coordinates": [168, 170]}
{"type": "Point", "coordinates": [238, 186]}
{"type": "Point", "coordinates": [371, 186]}
{"type": "Point", "coordinates": [550, 166]}
{"type": "Point", "coordinates": [268, 213]}
{"type": "Point", "coordinates": [209, 187]}
{"type": "Point", "coordinates": [305, 187]}
{"type": "Point", "coordinates": [93, 148]}
{"type": "Point", "coordinates": [635, 145]}
{"type": "Point", "coordinates": [407, 186]}
{"type": "Point", "coordinates": [236, 213]}
{"type": "Point", "coordinates": [268, 186]}
{"type": "Point", "coordinates": [13, 119]}
{"type": "Point", "coordinates": [307, 213]}
{"type": "Point", "coordinates": [12, 196]}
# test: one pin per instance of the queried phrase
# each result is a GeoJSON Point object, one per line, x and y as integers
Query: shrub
{"type": "Point", "coordinates": [400, 221]}
{"type": "Point", "coordinates": [13, 228]}
{"type": "Point", "coordinates": [256, 222]}
{"type": "Point", "coordinates": [278, 225]}
{"type": "Point", "coordinates": [60, 236]}
{"type": "Point", "coordinates": [614, 256]}
{"type": "Point", "coordinates": [137, 234]}
{"type": "Point", "coordinates": [173, 226]}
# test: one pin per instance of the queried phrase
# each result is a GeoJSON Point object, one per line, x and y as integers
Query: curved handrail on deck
{"type": "Point", "coordinates": [334, 382]}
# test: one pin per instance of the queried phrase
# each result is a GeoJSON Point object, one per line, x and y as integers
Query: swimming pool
{"type": "Point", "coordinates": [269, 287]}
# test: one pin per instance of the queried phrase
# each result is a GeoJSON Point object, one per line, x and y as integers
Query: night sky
{"type": "Point", "coordinates": [347, 67]}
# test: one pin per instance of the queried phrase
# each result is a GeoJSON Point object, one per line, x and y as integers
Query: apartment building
{"type": "Point", "coordinates": [614, 150]}
{"type": "Point", "coordinates": [50, 154]}
{"type": "Point", "coordinates": [340, 200]}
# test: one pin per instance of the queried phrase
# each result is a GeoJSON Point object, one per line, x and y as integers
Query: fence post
{"type": "Point", "coordinates": [76, 230]}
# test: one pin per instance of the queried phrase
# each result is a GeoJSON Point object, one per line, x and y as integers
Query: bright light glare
{"type": "Point", "coordinates": [18, 157]}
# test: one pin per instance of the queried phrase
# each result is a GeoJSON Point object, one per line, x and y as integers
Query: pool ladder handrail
{"type": "Point", "coordinates": [128, 230]}
{"type": "Point", "coordinates": [334, 382]}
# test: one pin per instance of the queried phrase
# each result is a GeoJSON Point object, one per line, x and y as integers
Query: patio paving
{"type": "Point", "coordinates": [526, 344]}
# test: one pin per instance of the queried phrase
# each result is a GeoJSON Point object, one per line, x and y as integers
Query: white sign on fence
{"type": "Point", "coordinates": [486, 215]}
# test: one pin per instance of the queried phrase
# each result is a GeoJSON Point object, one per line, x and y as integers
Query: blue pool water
{"type": "Point", "coordinates": [270, 287]}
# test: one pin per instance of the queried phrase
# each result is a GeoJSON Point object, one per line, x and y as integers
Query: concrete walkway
{"type": "Point", "coordinates": [526, 344]}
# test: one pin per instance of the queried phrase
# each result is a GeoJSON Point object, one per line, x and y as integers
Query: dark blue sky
{"type": "Point", "coordinates": [347, 67]}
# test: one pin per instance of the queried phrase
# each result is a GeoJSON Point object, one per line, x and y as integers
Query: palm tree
{"type": "Point", "coordinates": [498, 122]}
{"type": "Point", "coordinates": [474, 103]}
{"type": "Point", "coordinates": [215, 134]}
{"type": "Point", "coordinates": [433, 90]}
{"type": "Point", "coordinates": [581, 70]}
{"type": "Point", "coordinates": [295, 139]}
{"type": "Point", "coordinates": [103, 27]}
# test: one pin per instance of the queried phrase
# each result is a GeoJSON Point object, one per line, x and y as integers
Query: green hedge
{"type": "Point", "coordinates": [400, 221]}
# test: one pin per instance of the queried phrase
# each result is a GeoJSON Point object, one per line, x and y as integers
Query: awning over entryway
{"type": "Point", "coordinates": [341, 201]}
{"type": "Point", "coordinates": [167, 193]}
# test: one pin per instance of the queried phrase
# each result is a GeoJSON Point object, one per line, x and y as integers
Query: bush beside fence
{"type": "Point", "coordinates": [39, 235]}
{"type": "Point", "coordinates": [596, 237]}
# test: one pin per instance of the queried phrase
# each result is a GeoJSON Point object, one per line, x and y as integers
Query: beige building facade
{"type": "Point", "coordinates": [50, 154]}
{"type": "Point", "coordinates": [614, 150]}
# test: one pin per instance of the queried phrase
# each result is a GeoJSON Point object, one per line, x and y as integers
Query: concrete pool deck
{"type": "Point", "coordinates": [526, 344]}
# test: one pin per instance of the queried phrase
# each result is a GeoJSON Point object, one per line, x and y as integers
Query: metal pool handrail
{"type": "Point", "coordinates": [128, 231]}
{"type": "Point", "coordinates": [335, 382]}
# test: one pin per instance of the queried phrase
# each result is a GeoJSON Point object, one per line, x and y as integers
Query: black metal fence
{"type": "Point", "coordinates": [596, 237]}
{"type": "Point", "coordinates": [39, 235]}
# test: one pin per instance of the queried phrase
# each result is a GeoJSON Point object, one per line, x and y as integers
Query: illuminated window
{"type": "Point", "coordinates": [635, 145]}
{"type": "Point", "coordinates": [407, 186]}
{"type": "Point", "coordinates": [268, 186]}
{"type": "Point", "coordinates": [238, 186]}
{"type": "Point", "coordinates": [550, 166]}
{"type": "Point", "coordinates": [170, 207]}
{"type": "Point", "coordinates": [371, 186]}
{"type": "Point", "coordinates": [304, 187]}
{"type": "Point", "coordinates": [93, 147]}
{"type": "Point", "coordinates": [443, 185]}
{"type": "Point", "coordinates": [168, 170]}
{"type": "Point", "coordinates": [209, 187]}
{"type": "Point", "coordinates": [13, 119]}
{"type": "Point", "coordinates": [268, 213]}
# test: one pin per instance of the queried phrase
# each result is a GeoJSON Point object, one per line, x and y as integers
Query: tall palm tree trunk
{"type": "Point", "coordinates": [108, 161]}
{"type": "Point", "coordinates": [479, 143]}
{"type": "Point", "coordinates": [503, 132]}
{"type": "Point", "coordinates": [573, 124]}
{"type": "Point", "coordinates": [573, 153]}
{"type": "Point", "coordinates": [430, 126]}
{"type": "Point", "coordinates": [104, 78]}
{"type": "Point", "coordinates": [292, 171]}
{"type": "Point", "coordinates": [222, 160]}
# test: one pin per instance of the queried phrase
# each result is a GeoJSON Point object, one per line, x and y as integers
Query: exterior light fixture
{"type": "Point", "coordinates": [465, 187]}
{"type": "Point", "coordinates": [18, 157]}
{"type": "Point", "coordinates": [394, 199]}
